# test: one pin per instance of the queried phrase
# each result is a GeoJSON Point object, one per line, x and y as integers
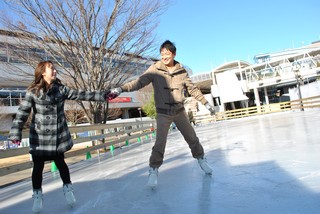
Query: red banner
{"type": "Point", "coordinates": [121, 100]}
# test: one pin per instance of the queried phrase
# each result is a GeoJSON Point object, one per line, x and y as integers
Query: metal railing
{"type": "Point", "coordinates": [294, 105]}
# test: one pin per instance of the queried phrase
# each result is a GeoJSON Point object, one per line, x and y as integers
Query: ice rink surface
{"type": "Point", "coordinates": [262, 165]}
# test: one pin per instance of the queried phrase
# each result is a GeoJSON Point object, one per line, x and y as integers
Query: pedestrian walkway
{"type": "Point", "coordinates": [263, 164]}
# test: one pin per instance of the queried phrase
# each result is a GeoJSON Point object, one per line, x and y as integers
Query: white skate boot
{"type": "Point", "coordinates": [37, 201]}
{"type": "Point", "coordinates": [153, 177]}
{"type": "Point", "coordinates": [68, 193]}
{"type": "Point", "coordinates": [205, 166]}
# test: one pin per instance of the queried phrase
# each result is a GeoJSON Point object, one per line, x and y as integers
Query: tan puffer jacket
{"type": "Point", "coordinates": [169, 88]}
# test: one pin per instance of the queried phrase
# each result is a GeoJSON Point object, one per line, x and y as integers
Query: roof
{"type": "Point", "coordinates": [238, 64]}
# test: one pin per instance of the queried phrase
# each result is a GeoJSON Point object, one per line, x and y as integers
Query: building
{"type": "Point", "coordinates": [273, 78]}
{"type": "Point", "coordinates": [16, 74]}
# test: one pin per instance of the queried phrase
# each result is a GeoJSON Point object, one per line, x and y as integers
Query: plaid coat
{"type": "Point", "coordinates": [49, 133]}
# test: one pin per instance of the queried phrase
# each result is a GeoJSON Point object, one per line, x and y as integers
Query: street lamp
{"type": "Point", "coordinates": [296, 69]}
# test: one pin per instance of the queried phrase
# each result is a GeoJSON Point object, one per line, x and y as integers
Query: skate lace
{"type": "Point", "coordinates": [153, 171]}
{"type": "Point", "coordinates": [36, 196]}
{"type": "Point", "coordinates": [67, 188]}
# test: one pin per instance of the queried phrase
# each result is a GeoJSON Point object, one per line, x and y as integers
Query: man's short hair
{"type": "Point", "coordinates": [169, 45]}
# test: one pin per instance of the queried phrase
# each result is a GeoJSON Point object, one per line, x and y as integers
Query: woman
{"type": "Point", "coordinates": [49, 134]}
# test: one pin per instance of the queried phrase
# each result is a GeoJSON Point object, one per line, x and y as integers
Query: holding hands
{"type": "Point", "coordinates": [113, 93]}
{"type": "Point", "coordinates": [14, 141]}
{"type": "Point", "coordinates": [17, 142]}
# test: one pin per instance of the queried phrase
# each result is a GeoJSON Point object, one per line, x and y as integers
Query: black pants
{"type": "Point", "coordinates": [38, 165]}
{"type": "Point", "coordinates": [163, 124]}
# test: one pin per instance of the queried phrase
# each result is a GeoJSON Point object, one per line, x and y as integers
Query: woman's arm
{"type": "Point", "coordinates": [72, 94]}
{"type": "Point", "coordinates": [21, 117]}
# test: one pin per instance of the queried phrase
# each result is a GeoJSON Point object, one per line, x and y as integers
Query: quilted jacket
{"type": "Point", "coordinates": [49, 133]}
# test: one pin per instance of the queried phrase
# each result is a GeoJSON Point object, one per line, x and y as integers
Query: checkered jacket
{"type": "Point", "coordinates": [49, 133]}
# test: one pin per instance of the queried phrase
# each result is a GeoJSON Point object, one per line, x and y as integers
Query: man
{"type": "Point", "coordinates": [169, 79]}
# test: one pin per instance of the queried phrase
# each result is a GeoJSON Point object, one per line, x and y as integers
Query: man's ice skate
{"type": "Point", "coordinates": [153, 177]}
{"type": "Point", "coordinates": [37, 201]}
{"type": "Point", "coordinates": [205, 166]}
{"type": "Point", "coordinates": [68, 193]}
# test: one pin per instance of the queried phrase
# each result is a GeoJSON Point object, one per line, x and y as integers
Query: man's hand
{"type": "Point", "coordinates": [210, 108]}
{"type": "Point", "coordinates": [114, 92]}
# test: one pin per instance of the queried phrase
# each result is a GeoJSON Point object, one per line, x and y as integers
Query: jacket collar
{"type": "Point", "coordinates": [178, 67]}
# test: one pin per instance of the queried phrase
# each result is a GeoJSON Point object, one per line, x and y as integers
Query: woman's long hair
{"type": "Point", "coordinates": [39, 83]}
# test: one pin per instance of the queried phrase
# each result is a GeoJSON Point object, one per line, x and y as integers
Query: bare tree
{"type": "Point", "coordinates": [95, 43]}
{"type": "Point", "coordinates": [74, 113]}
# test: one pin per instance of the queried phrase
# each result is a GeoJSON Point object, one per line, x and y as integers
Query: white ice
{"type": "Point", "coordinates": [262, 164]}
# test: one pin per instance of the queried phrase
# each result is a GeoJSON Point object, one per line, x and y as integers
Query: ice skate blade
{"type": "Point", "coordinates": [153, 188]}
{"type": "Point", "coordinates": [152, 185]}
{"type": "Point", "coordinates": [208, 174]}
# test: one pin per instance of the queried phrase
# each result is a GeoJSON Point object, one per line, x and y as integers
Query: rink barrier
{"type": "Point", "coordinates": [294, 105]}
{"type": "Point", "coordinates": [101, 136]}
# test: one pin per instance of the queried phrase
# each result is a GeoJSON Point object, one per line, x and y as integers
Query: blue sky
{"type": "Point", "coordinates": [208, 33]}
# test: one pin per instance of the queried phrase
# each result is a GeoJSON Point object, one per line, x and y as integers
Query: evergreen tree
{"type": "Point", "coordinates": [149, 108]}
